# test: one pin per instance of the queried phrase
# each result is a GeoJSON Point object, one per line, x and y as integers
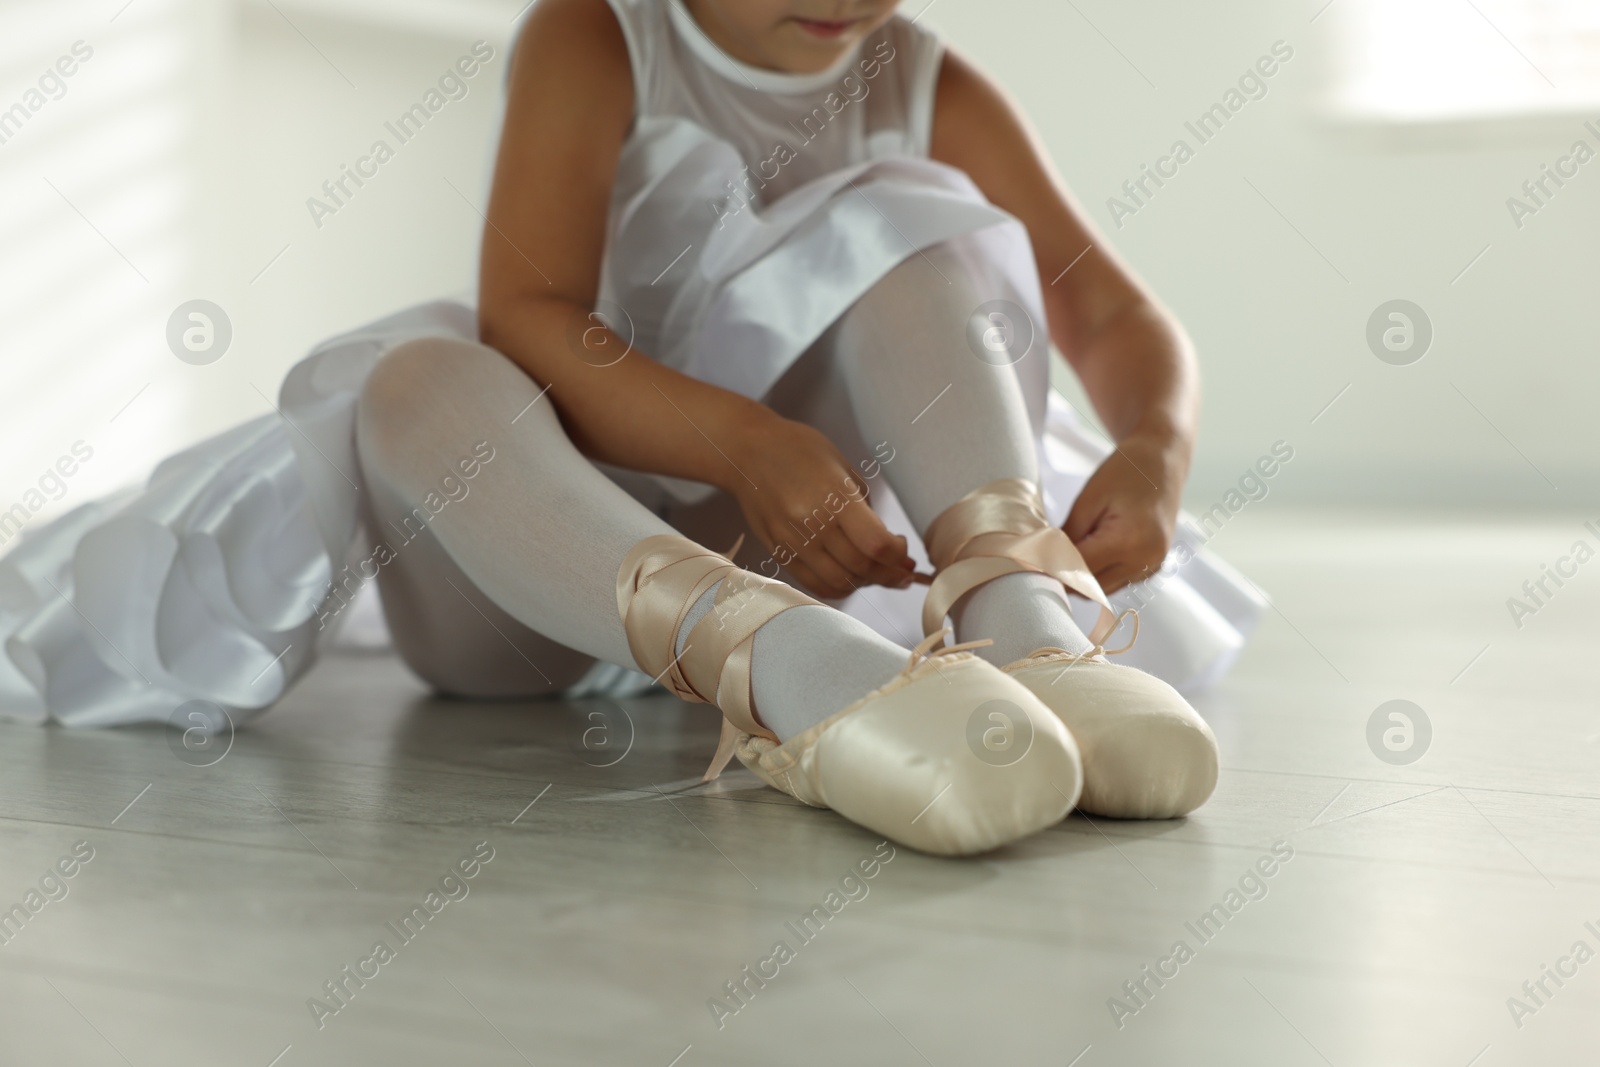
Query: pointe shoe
{"type": "Point", "coordinates": [913, 759]}
{"type": "Point", "coordinates": [1146, 753]}
{"type": "Point", "coordinates": [950, 757]}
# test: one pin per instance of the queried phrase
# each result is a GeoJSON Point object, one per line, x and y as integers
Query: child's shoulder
{"type": "Point", "coordinates": [580, 30]}
{"type": "Point", "coordinates": [578, 45]}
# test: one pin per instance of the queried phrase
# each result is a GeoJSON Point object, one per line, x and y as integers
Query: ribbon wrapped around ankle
{"type": "Point", "coordinates": [999, 529]}
{"type": "Point", "coordinates": [659, 581]}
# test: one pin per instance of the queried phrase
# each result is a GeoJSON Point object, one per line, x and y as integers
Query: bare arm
{"type": "Point", "coordinates": [568, 113]}
{"type": "Point", "coordinates": [569, 106]}
{"type": "Point", "coordinates": [1133, 358]}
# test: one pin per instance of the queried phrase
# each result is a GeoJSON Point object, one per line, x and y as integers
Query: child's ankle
{"type": "Point", "coordinates": [1019, 613]}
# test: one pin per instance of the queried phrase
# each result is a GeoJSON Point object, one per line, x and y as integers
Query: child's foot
{"type": "Point", "coordinates": [943, 753]}
{"type": "Point", "coordinates": [1146, 753]}
{"type": "Point", "coordinates": [952, 757]}
{"type": "Point", "coordinates": [791, 694]}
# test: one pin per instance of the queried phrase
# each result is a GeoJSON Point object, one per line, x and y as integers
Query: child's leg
{"type": "Point", "coordinates": [538, 539]}
{"type": "Point", "coordinates": [447, 631]}
{"type": "Point", "coordinates": [956, 423]}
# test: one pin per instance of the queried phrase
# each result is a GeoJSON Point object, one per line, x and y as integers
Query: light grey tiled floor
{"type": "Point", "coordinates": [1418, 898]}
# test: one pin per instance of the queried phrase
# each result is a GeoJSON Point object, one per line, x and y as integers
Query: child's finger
{"type": "Point", "coordinates": [1087, 514]}
{"type": "Point", "coordinates": [865, 571]}
{"type": "Point", "coordinates": [872, 538]}
{"type": "Point", "coordinates": [1102, 550]}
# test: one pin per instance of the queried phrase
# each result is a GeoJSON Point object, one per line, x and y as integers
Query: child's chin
{"type": "Point", "coordinates": [817, 52]}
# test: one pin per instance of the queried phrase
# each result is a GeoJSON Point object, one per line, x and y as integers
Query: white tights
{"type": "Point", "coordinates": [510, 590]}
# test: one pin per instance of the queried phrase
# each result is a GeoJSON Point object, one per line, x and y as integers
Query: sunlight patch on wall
{"type": "Point", "coordinates": [97, 230]}
{"type": "Point", "coordinates": [1429, 61]}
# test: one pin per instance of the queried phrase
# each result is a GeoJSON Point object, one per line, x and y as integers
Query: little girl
{"type": "Point", "coordinates": [778, 275]}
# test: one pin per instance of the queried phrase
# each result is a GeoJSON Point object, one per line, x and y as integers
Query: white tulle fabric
{"type": "Point", "coordinates": [212, 581]}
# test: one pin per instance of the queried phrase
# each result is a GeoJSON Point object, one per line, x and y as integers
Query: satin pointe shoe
{"type": "Point", "coordinates": [1146, 753]}
{"type": "Point", "coordinates": [951, 756]}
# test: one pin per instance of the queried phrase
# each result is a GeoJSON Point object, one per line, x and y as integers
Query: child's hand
{"type": "Point", "coordinates": [809, 508]}
{"type": "Point", "coordinates": [1123, 520]}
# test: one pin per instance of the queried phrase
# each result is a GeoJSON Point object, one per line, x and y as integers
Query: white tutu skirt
{"type": "Point", "coordinates": [212, 581]}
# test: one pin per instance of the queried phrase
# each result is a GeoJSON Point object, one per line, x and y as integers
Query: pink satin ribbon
{"type": "Point", "coordinates": [659, 581]}
{"type": "Point", "coordinates": [999, 529]}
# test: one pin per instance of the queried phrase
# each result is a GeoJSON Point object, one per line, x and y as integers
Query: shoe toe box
{"type": "Point", "coordinates": [960, 761]}
{"type": "Point", "coordinates": [1146, 753]}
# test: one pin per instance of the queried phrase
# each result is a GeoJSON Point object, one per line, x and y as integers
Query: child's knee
{"type": "Point", "coordinates": [917, 290]}
{"type": "Point", "coordinates": [411, 373]}
{"type": "Point", "coordinates": [419, 382]}
{"type": "Point", "coordinates": [397, 382]}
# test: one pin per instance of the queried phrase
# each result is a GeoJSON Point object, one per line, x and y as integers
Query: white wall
{"type": "Point", "coordinates": [1279, 332]}
{"type": "Point", "coordinates": [103, 192]}
{"type": "Point", "coordinates": [247, 108]}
